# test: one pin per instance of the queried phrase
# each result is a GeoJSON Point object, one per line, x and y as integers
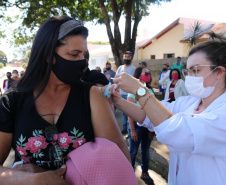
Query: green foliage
{"type": "Point", "coordinates": [24, 65]}
{"type": "Point", "coordinates": [194, 30]}
{"type": "Point", "coordinates": [1, 65]}
{"type": "Point", "coordinates": [98, 42]}
{"type": "Point", "coordinates": [20, 37]}
{"type": "Point", "coordinates": [3, 58]}
{"type": "Point", "coordinates": [34, 13]}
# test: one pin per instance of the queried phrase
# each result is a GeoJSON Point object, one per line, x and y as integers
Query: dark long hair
{"type": "Point", "coordinates": [44, 45]}
{"type": "Point", "coordinates": [170, 76]}
{"type": "Point", "coordinates": [137, 74]}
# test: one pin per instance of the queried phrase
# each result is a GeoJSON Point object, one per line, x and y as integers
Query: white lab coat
{"type": "Point", "coordinates": [197, 142]}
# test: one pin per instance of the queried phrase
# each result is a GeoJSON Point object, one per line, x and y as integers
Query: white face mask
{"type": "Point", "coordinates": [195, 86]}
{"type": "Point", "coordinates": [14, 74]}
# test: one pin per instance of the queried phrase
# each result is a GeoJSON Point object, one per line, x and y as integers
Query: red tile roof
{"type": "Point", "coordinates": [187, 27]}
{"type": "Point", "coordinates": [217, 28]}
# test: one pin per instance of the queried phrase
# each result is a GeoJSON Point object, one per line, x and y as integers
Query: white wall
{"type": "Point", "coordinates": [99, 61]}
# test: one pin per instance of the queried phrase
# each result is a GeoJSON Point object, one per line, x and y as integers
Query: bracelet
{"type": "Point", "coordinates": [146, 100]}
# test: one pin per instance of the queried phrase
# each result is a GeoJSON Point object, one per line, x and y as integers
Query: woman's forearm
{"type": "Point", "coordinates": [132, 110]}
{"type": "Point", "coordinates": [14, 177]}
{"type": "Point", "coordinates": [156, 112]}
{"type": "Point", "coordinates": [131, 124]}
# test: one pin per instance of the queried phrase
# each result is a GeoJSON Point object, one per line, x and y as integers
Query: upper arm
{"type": "Point", "coordinates": [165, 80]}
{"type": "Point", "coordinates": [5, 145]}
{"type": "Point", "coordinates": [103, 120]}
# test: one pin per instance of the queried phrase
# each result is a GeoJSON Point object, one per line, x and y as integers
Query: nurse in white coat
{"type": "Point", "coordinates": [193, 127]}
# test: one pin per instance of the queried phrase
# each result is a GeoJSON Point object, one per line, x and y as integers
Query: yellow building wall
{"type": "Point", "coordinates": [166, 44]}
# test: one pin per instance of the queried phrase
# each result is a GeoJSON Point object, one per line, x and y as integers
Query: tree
{"type": "Point", "coordinates": [97, 11]}
{"type": "Point", "coordinates": [3, 58]}
{"type": "Point", "coordinates": [1, 65]}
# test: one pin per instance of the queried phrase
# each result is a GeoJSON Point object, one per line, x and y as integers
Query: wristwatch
{"type": "Point", "coordinates": [141, 91]}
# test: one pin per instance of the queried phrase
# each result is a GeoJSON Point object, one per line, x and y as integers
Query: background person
{"type": "Point", "coordinates": [93, 76]}
{"type": "Point", "coordinates": [13, 79]}
{"type": "Point", "coordinates": [5, 82]}
{"type": "Point", "coordinates": [178, 65]}
{"type": "Point", "coordinates": [137, 134]}
{"type": "Point", "coordinates": [143, 64]}
{"type": "Point", "coordinates": [165, 72]}
{"type": "Point", "coordinates": [175, 85]}
{"type": "Point", "coordinates": [127, 68]}
{"type": "Point", "coordinates": [22, 73]}
{"type": "Point", "coordinates": [98, 69]}
{"type": "Point", "coordinates": [50, 111]}
{"type": "Point", "coordinates": [109, 72]}
{"type": "Point", "coordinates": [185, 124]}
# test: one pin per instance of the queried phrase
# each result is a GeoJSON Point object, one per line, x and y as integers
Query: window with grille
{"type": "Point", "coordinates": [169, 55]}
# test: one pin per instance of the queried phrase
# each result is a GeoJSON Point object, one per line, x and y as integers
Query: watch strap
{"type": "Point", "coordinates": [137, 97]}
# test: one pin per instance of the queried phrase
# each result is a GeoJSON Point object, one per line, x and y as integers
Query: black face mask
{"type": "Point", "coordinates": [127, 61]}
{"type": "Point", "coordinates": [108, 68]}
{"type": "Point", "coordinates": [164, 69]}
{"type": "Point", "coordinates": [8, 77]}
{"type": "Point", "coordinates": [68, 71]}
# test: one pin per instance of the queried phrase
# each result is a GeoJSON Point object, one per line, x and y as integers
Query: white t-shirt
{"type": "Point", "coordinates": [162, 76]}
{"type": "Point", "coordinates": [130, 70]}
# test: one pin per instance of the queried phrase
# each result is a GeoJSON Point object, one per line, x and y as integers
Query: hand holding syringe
{"type": "Point", "coordinates": [106, 91]}
{"type": "Point", "coordinates": [116, 85]}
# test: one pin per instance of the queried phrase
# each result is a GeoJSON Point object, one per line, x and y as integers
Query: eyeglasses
{"type": "Point", "coordinates": [193, 71]}
{"type": "Point", "coordinates": [55, 151]}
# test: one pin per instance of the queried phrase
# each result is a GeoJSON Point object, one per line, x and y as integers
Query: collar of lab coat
{"type": "Point", "coordinates": [218, 102]}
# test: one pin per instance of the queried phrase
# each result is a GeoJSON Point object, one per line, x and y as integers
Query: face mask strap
{"type": "Point", "coordinates": [210, 72]}
{"type": "Point", "coordinates": [216, 83]}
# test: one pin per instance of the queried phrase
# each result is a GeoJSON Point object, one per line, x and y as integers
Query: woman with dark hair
{"type": "Point", "coordinates": [50, 111]}
{"type": "Point", "coordinates": [175, 85]}
{"type": "Point", "coordinates": [193, 127]}
{"type": "Point", "coordinates": [137, 134]}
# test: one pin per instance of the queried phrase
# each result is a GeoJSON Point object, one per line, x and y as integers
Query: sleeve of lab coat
{"type": "Point", "coordinates": [202, 134]}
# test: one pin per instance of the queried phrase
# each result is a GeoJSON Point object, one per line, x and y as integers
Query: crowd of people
{"type": "Point", "coordinates": [58, 116]}
{"type": "Point", "coordinates": [12, 77]}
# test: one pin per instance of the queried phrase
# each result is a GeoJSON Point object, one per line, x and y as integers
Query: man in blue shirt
{"type": "Point", "coordinates": [109, 73]}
